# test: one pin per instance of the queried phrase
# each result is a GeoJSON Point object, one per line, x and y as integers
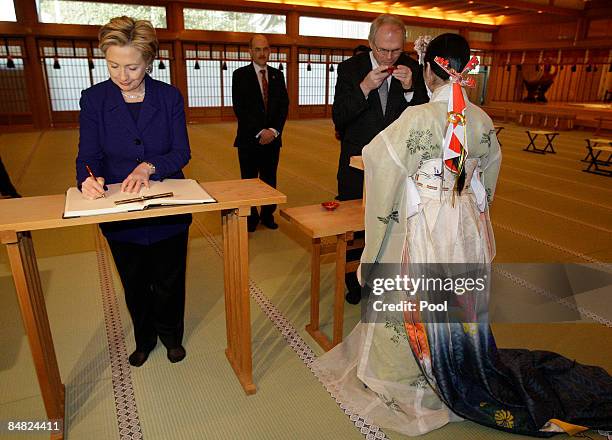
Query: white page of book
{"type": "Point", "coordinates": [185, 192]}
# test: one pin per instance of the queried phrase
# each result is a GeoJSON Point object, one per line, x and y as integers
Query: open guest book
{"type": "Point", "coordinates": [167, 192]}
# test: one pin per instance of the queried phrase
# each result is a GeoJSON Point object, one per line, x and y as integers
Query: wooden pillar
{"type": "Point", "coordinates": [176, 24]}
{"type": "Point", "coordinates": [293, 66]}
{"type": "Point", "coordinates": [36, 83]}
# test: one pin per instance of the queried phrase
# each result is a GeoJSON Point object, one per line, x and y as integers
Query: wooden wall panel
{"type": "Point", "coordinates": [564, 31]}
{"type": "Point", "coordinates": [499, 83]}
{"type": "Point", "coordinates": [511, 83]}
{"type": "Point", "coordinates": [600, 28]}
{"type": "Point", "coordinates": [568, 86]}
{"type": "Point", "coordinates": [569, 33]}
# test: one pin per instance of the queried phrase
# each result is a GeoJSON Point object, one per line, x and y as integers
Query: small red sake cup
{"type": "Point", "coordinates": [330, 206]}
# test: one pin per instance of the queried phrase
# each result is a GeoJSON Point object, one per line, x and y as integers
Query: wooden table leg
{"type": "Point", "coordinates": [532, 140]}
{"type": "Point", "coordinates": [36, 322]}
{"type": "Point", "coordinates": [549, 142]}
{"type": "Point", "coordinates": [339, 294]}
{"type": "Point", "coordinates": [237, 303]}
{"type": "Point", "coordinates": [315, 288]}
{"type": "Point", "coordinates": [589, 154]}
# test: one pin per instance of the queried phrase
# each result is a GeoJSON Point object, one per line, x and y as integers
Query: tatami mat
{"type": "Point", "coordinates": [547, 210]}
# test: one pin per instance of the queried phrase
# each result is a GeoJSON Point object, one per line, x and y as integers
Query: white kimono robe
{"type": "Point", "coordinates": [373, 372]}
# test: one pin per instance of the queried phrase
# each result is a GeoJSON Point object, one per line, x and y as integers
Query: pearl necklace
{"type": "Point", "coordinates": [137, 96]}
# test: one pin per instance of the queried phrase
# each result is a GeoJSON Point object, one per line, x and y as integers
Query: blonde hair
{"type": "Point", "coordinates": [386, 19]}
{"type": "Point", "coordinates": [125, 31]}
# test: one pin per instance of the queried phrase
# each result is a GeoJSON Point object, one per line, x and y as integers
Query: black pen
{"type": "Point", "coordinates": [105, 188]}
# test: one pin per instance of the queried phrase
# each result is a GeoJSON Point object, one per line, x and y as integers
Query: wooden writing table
{"type": "Point", "coordinates": [356, 162]}
{"type": "Point", "coordinates": [20, 216]}
{"type": "Point", "coordinates": [317, 223]}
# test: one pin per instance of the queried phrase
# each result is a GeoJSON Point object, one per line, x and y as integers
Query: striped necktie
{"type": "Point", "coordinates": [264, 86]}
{"type": "Point", "coordinates": [383, 93]}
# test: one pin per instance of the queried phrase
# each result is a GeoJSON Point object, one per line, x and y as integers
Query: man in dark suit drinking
{"type": "Point", "coordinates": [372, 91]}
{"type": "Point", "coordinates": [260, 103]}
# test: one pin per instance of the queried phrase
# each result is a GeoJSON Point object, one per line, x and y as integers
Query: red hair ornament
{"type": "Point", "coordinates": [455, 148]}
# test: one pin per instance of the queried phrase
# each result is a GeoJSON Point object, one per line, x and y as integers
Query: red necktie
{"type": "Point", "coordinates": [264, 86]}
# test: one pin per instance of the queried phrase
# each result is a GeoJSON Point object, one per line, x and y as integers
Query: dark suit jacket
{"type": "Point", "coordinates": [112, 144]}
{"type": "Point", "coordinates": [249, 105]}
{"type": "Point", "coordinates": [360, 119]}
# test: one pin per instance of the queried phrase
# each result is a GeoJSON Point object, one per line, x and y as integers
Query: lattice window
{"type": "Point", "coordinates": [235, 57]}
{"type": "Point", "coordinates": [335, 58]}
{"type": "Point", "coordinates": [13, 90]}
{"type": "Point", "coordinates": [204, 84]}
{"type": "Point", "coordinates": [210, 69]}
{"type": "Point", "coordinates": [162, 65]}
{"type": "Point", "coordinates": [278, 59]}
{"type": "Point", "coordinates": [74, 65]}
{"type": "Point", "coordinates": [317, 75]}
{"type": "Point", "coordinates": [66, 82]}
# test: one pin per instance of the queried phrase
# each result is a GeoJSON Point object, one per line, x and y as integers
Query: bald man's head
{"type": "Point", "coordinates": [259, 49]}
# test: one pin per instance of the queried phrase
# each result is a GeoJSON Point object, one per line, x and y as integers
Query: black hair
{"type": "Point", "coordinates": [456, 50]}
{"type": "Point", "coordinates": [361, 48]}
{"type": "Point", "coordinates": [452, 47]}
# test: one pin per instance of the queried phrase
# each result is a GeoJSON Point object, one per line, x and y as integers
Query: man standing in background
{"type": "Point", "coordinates": [261, 103]}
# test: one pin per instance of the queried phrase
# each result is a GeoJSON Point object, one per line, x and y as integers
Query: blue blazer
{"type": "Point", "coordinates": [113, 144]}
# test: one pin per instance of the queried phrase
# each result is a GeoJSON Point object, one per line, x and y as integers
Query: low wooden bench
{"type": "Point", "coordinates": [533, 134]}
{"type": "Point", "coordinates": [317, 223]}
{"type": "Point", "coordinates": [595, 148]}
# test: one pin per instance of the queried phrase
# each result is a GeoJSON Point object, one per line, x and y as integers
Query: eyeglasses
{"type": "Point", "coordinates": [387, 52]}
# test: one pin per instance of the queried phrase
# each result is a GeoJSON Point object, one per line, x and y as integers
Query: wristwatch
{"type": "Point", "coordinates": [151, 166]}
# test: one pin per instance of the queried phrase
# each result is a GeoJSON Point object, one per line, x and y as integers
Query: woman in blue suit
{"type": "Point", "coordinates": [132, 130]}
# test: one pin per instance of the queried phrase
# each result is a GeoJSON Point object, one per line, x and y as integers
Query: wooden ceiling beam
{"type": "Point", "coordinates": [482, 9]}
{"type": "Point", "coordinates": [535, 19]}
{"type": "Point", "coordinates": [432, 3]}
{"type": "Point", "coordinates": [488, 9]}
{"type": "Point", "coordinates": [532, 7]}
{"type": "Point", "coordinates": [416, 3]}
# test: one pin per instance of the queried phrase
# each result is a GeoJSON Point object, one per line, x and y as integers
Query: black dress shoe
{"type": "Point", "coordinates": [176, 354]}
{"type": "Point", "coordinates": [252, 224]}
{"type": "Point", "coordinates": [353, 297]}
{"type": "Point", "coordinates": [138, 358]}
{"type": "Point", "coordinates": [269, 223]}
